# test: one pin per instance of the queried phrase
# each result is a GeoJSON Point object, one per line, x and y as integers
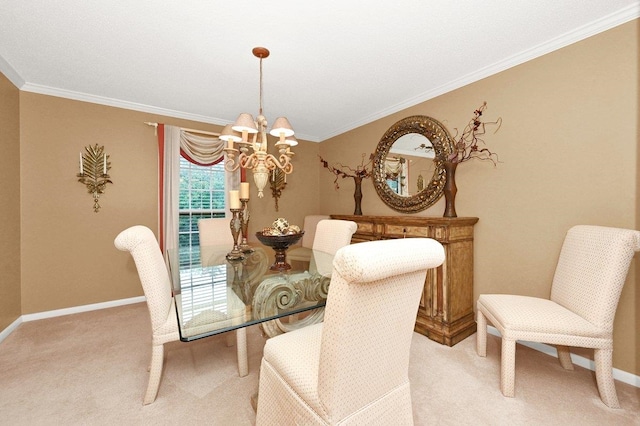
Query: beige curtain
{"type": "Point", "coordinates": [201, 149]}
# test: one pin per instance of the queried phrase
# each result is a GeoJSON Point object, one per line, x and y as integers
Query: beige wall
{"type": "Point", "coordinates": [10, 205]}
{"type": "Point", "coordinates": [568, 148]}
{"type": "Point", "coordinates": [68, 257]}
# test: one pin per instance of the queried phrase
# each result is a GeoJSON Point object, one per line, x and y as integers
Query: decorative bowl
{"type": "Point", "coordinates": [280, 244]}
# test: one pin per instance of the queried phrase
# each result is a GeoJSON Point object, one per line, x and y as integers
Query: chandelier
{"type": "Point", "coordinates": [258, 161]}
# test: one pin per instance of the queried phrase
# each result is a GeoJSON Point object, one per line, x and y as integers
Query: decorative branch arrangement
{"type": "Point", "coordinates": [468, 145]}
{"type": "Point", "coordinates": [94, 165]}
{"type": "Point", "coordinates": [363, 171]}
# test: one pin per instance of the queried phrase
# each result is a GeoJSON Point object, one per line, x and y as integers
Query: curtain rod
{"type": "Point", "coordinates": [155, 125]}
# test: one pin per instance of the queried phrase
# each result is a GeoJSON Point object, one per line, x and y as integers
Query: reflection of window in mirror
{"type": "Point", "coordinates": [396, 174]}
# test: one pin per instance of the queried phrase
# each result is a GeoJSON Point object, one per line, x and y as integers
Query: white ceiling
{"type": "Point", "coordinates": [334, 64]}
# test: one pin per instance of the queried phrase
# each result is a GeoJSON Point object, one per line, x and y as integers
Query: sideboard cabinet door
{"type": "Point", "coordinates": [446, 312]}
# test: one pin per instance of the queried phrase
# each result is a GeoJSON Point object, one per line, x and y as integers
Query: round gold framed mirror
{"type": "Point", "coordinates": [407, 167]}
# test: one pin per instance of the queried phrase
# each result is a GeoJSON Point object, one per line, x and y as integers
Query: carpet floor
{"type": "Point", "coordinates": [91, 369]}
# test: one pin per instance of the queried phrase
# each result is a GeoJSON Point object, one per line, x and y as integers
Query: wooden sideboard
{"type": "Point", "coordinates": [446, 311]}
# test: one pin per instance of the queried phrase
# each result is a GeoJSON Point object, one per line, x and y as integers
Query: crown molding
{"type": "Point", "coordinates": [101, 100]}
{"type": "Point", "coordinates": [11, 73]}
{"type": "Point", "coordinates": [603, 24]}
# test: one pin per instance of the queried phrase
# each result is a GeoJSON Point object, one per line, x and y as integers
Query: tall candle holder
{"type": "Point", "coordinates": [244, 226]}
{"type": "Point", "coordinates": [235, 225]}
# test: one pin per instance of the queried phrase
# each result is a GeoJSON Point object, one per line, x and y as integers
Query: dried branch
{"type": "Point", "coordinates": [468, 146]}
{"type": "Point", "coordinates": [363, 171]}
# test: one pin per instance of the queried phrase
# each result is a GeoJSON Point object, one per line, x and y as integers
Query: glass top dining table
{"type": "Point", "coordinates": [214, 294]}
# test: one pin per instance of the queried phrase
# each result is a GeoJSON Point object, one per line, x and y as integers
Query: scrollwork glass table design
{"type": "Point", "coordinates": [238, 293]}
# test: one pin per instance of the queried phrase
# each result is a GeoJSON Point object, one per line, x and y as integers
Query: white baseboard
{"type": "Point", "coordinates": [83, 308]}
{"type": "Point", "coordinates": [581, 361]}
{"type": "Point", "coordinates": [7, 331]}
{"type": "Point", "coordinates": [68, 311]}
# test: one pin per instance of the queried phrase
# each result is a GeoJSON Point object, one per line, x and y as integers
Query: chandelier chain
{"type": "Point", "coordinates": [261, 85]}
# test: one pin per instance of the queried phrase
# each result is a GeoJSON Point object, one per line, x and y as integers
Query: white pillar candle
{"type": "Point", "coordinates": [244, 190]}
{"type": "Point", "coordinates": [234, 199]}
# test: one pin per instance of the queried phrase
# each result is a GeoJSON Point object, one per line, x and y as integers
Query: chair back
{"type": "Point", "coordinates": [152, 270]}
{"type": "Point", "coordinates": [215, 240]}
{"type": "Point", "coordinates": [332, 235]}
{"type": "Point", "coordinates": [309, 226]}
{"type": "Point", "coordinates": [591, 271]}
{"type": "Point", "coordinates": [370, 314]}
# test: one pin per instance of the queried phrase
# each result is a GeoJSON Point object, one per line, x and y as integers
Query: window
{"type": "Point", "coordinates": [202, 196]}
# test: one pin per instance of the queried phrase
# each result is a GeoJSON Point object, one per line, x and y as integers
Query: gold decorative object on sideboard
{"type": "Point", "coordinates": [446, 311]}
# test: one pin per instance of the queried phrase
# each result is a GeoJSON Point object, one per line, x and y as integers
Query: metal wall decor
{"type": "Point", "coordinates": [94, 168]}
{"type": "Point", "coordinates": [277, 181]}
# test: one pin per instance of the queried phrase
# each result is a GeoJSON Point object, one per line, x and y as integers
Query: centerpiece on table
{"type": "Point", "coordinates": [279, 236]}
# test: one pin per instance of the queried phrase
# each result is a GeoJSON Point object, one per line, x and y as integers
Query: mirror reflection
{"type": "Point", "coordinates": [409, 163]}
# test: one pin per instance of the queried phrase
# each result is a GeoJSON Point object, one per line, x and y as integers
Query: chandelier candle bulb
{"type": "Point", "coordinates": [234, 199]}
{"type": "Point", "coordinates": [81, 170]}
{"type": "Point", "coordinates": [244, 190]}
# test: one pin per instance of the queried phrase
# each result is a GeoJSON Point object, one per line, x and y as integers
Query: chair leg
{"type": "Point", "coordinates": [230, 339]}
{"type": "Point", "coordinates": [241, 343]}
{"type": "Point", "coordinates": [508, 367]}
{"type": "Point", "coordinates": [604, 377]}
{"type": "Point", "coordinates": [481, 335]}
{"type": "Point", "coordinates": [564, 356]}
{"type": "Point", "coordinates": [155, 373]}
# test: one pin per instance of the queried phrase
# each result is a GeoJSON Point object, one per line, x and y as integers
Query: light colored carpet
{"type": "Point", "coordinates": [91, 369]}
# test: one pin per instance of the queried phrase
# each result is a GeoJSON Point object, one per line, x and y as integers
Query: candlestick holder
{"type": "Point", "coordinates": [244, 225]}
{"type": "Point", "coordinates": [94, 165]}
{"type": "Point", "coordinates": [235, 225]}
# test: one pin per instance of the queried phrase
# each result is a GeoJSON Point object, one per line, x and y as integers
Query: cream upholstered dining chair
{"type": "Point", "coordinates": [302, 253]}
{"type": "Point", "coordinates": [586, 286]}
{"type": "Point", "coordinates": [354, 367]}
{"type": "Point", "coordinates": [215, 240]}
{"type": "Point", "coordinates": [156, 284]}
{"type": "Point", "coordinates": [331, 235]}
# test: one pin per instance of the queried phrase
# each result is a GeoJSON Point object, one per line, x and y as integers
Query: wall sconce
{"type": "Point", "coordinates": [94, 165]}
{"type": "Point", "coordinates": [277, 180]}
